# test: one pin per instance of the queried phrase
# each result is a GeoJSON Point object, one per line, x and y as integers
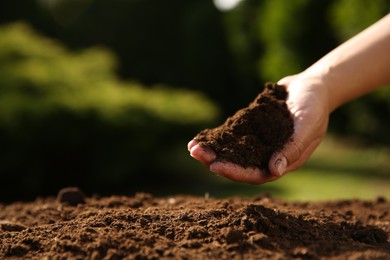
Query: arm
{"type": "Point", "coordinates": [353, 69]}
{"type": "Point", "coordinates": [358, 66]}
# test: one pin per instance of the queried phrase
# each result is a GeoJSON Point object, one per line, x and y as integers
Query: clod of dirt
{"type": "Point", "coordinates": [234, 236]}
{"type": "Point", "coordinates": [253, 134]}
{"type": "Point", "coordinates": [12, 227]}
{"type": "Point", "coordinates": [71, 196]}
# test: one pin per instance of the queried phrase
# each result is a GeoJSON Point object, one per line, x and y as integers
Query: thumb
{"type": "Point", "coordinates": [292, 156]}
{"type": "Point", "coordinates": [282, 161]}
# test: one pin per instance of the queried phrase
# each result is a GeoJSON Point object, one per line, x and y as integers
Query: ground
{"type": "Point", "coordinates": [142, 226]}
{"type": "Point", "coordinates": [186, 227]}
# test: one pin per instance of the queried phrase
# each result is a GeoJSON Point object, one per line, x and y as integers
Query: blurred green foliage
{"type": "Point", "coordinates": [367, 117]}
{"type": "Point", "coordinates": [349, 17]}
{"type": "Point", "coordinates": [38, 74]}
{"type": "Point", "coordinates": [65, 117]}
{"type": "Point", "coordinates": [294, 34]}
{"type": "Point", "coordinates": [104, 99]}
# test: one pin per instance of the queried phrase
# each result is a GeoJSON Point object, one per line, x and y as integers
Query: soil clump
{"type": "Point", "coordinates": [187, 227]}
{"type": "Point", "coordinates": [253, 134]}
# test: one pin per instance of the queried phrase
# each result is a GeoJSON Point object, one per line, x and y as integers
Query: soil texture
{"type": "Point", "coordinates": [185, 227]}
{"type": "Point", "coordinates": [253, 134]}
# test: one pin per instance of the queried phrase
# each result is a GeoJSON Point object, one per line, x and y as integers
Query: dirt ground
{"type": "Point", "coordinates": [184, 227]}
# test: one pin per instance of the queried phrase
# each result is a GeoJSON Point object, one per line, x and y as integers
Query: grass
{"type": "Point", "coordinates": [336, 170]}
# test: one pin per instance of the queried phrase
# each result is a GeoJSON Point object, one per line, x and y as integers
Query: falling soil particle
{"type": "Point", "coordinates": [253, 134]}
{"type": "Point", "coordinates": [186, 227]}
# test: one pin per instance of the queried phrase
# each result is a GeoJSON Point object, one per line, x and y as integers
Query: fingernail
{"type": "Point", "coordinates": [281, 165]}
{"type": "Point", "coordinates": [191, 144]}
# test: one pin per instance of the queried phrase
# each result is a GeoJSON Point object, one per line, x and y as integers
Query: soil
{"type": "Point", "coordinates": [253, 134]}
{"type": "Point", "coordinates": [72, 226]}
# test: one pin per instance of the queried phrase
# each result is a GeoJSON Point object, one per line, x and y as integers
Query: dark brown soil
{"type": "Point", "coordinates": [184, 227]}
{"type": "Point", "coordinates": [253, 134]}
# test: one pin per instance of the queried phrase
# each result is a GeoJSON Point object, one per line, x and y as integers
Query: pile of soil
{"type": "Point", "coordinates": [185, 227]}
{"type": "Point", "coordinates": [253, 134]}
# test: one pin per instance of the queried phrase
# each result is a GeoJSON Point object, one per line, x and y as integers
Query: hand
{"type": "Point", "coordinates": [308, 101]}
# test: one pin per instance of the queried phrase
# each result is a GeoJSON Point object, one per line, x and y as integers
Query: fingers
{"type": "Point", "coordinates": [229, 170]}
{"type": "Point", "coordinates": [202, 154]}
{"type": "Point", "coordinates": [191, 144]}
{"type": "Point", "coordinates": [240, 174]}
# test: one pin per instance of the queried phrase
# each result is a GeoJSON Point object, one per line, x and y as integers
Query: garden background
{"type": "Point", "coordinates": [105, 94]}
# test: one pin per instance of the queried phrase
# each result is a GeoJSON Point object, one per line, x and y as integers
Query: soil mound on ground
{"type": "Point", "coordinates": [185, 227]}
{"type": "Point", "coordinates": [253, 134]}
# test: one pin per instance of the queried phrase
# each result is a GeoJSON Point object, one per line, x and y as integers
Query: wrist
{"type": "Point", "coordinates": [320, 77]}
{"type": "Point", "coordinates": [314, 83]}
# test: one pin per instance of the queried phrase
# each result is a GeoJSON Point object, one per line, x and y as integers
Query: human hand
{"type": "Point", "coordinates": [308, 102]}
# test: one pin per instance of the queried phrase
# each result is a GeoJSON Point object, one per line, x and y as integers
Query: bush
{"type": "Point", "coordinates": [66, 119]}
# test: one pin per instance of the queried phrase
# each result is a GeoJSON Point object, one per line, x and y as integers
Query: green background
{"type": "Point", "coordinates": [105, 94]}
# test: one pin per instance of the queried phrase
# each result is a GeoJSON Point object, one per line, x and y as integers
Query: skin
{"type": "Point", "coordinates": [353, 69]}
